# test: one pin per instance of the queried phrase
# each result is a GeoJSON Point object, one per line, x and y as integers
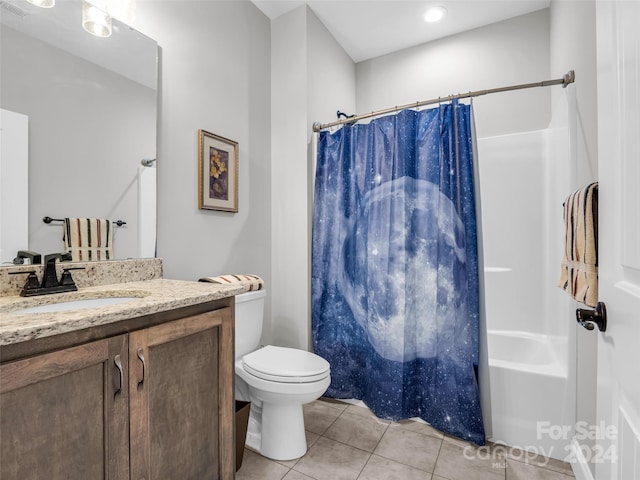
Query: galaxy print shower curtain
{"type": "Point", "coordinates": [395, 302]}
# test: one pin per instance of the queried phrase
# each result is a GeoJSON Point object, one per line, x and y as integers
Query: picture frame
{"type": "Point", "coordinates": [217, 173]}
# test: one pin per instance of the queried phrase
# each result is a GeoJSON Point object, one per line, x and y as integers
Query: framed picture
{"type": "Point", "coordinates": [217, 173]}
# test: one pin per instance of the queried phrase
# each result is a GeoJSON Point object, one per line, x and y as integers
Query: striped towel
{"type": "Point", "coordinates": [579, 274]}
{"type": "Point", "coordinates": [88, 239]}
{"type": "Point", "coordinates": [254, 282]}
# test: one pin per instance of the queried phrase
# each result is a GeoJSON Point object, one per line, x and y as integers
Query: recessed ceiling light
{"type": "Point", "coordinates": [43, 3]}
{"type": "Point", "coordinates": [435, 14]}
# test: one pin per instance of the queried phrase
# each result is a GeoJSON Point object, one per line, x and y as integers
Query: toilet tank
{"type": "Point", "coordinates": [249, 313]}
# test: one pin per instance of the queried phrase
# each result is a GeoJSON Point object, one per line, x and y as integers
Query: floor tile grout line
{"type": "Point", "coordinates": [334, 421]}
{"type": "Point", "coordinates": [568, 473]}
{"type": "Point", "coordinates": [364, 466]}
{"type": "Point", "coordinates": [559, 472]}
{"type": "Point", "coordinates": [406, 464]}
{"type": "Point", "coordinates": [380, 439]}
{"type": "Point", "coordinates": [435, 464]}
{"type": "Point", "coordinates": [347, 445]}
{"type": "Point", "coordinates": [374, 449]}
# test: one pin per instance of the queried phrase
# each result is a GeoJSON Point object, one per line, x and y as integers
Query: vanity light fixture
{"type": "Point", "coordinates": [95, 19]}
{"type": "Point", "coordinates": [43, 3]}
{"type": "Point", "coordinates": [435, 14]}
{"type": "Point", "coordinates": [97, 14]}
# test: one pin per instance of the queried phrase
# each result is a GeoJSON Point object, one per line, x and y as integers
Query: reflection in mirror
{"type": "Point", "coordinates": [90, 104]}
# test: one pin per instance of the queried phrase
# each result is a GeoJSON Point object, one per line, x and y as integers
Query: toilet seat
{"type": "Point", "coordinates": [286, 365]}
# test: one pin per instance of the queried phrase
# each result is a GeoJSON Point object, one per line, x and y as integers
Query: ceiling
{"type": "Point", "coordinates": [370, 28]}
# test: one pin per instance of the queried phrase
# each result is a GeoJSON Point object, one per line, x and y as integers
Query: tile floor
{"type": "Point", "coordinates": [347, 442]}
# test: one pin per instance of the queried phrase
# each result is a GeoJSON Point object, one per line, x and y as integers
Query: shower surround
{"type": "Point", "coordinates": [531, 345]}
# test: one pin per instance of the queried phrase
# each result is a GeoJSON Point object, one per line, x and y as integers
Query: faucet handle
{"type": "Point", "coordinates": [66, 278]}
{"type": "Point", "coordinates": [31, 284]}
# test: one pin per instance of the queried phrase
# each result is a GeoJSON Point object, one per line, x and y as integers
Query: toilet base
{"type": "Point", "coordinates": [283, 436]}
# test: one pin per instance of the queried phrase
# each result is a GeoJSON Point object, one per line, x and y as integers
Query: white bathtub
{"type": "Point", "coordinates": [530, 402]}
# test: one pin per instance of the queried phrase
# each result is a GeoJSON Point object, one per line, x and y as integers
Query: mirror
{"type": "Point", "coordinates": [91, 105]}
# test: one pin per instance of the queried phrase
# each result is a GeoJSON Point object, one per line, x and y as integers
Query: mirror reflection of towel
{"type": "Point", "coordinates": [579, 272]}
{"type": "Point", "coordinates": [88, 239]}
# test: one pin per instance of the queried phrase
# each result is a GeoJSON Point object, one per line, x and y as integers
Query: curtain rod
{"type": "Point", "coordinates": [567, 78]}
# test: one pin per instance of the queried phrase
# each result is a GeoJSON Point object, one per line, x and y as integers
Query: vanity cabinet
{"type": "Point", "coordinates": [60, 416]}
{"type": "Point", "coordinates": [179, 383]}
{"type": "Point", "coordinates": [154, 403]}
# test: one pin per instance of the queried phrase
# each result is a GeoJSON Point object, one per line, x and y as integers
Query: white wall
{"type": "Point", "coordinates": [312, 77]}
{"type": "Point", "coordinates": [289, 288]}
{"type": "Point", "coordinates": [214, 75]}
{"type": "Point", "coordinates": [573, 46]}
{"type": "Point", "coordinates": [331, 76]}
{"type": "Point", "coordinates": [511, 170]}
{"type": "Point", "coordinates": [506, 53]}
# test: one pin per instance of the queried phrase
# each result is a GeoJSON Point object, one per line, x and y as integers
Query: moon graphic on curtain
{"type": "Point", "coordinates": [409, 307]}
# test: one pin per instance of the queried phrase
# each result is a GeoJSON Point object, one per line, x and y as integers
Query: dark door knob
{"type": "Point", "coordinates": [587, 318]}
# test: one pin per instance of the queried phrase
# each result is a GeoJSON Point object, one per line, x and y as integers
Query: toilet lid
{"type": "Point", "coordinates": [281, 364]}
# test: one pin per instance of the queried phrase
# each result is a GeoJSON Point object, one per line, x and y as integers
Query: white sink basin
{"type": "Point", "coordinates": [76, 305]}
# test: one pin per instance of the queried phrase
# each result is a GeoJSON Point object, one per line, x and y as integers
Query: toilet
{"type": "Point", "coordinates": [277, 381]}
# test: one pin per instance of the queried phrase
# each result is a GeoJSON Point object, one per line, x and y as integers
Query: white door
{"type": "Point", "coordinates": [617, 451]}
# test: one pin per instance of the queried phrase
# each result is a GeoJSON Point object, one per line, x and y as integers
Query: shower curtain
{"type": "Point", "coordinates": [395, 302]}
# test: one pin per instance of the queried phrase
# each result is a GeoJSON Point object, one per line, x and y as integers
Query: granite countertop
{"type": "Point", "coordinates": [155, 296]}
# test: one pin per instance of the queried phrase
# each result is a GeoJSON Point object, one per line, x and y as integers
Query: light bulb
{"type": "Point", "coordinates": [95, 20]}
{"type": "Point", "coordinates": [435, 14]}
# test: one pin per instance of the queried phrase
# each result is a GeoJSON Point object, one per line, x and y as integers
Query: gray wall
{"type": "Point", "coordinates": [214, 75]}
{"type": "Point", "coordinates": [312, 77]}
{"type": "Point", "coordinates": [88, 130]}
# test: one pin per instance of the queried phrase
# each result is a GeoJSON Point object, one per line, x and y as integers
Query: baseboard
{"type": "Point", "coordinates": [579, 463]}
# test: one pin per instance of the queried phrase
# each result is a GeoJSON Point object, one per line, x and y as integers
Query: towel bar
{"type": "Point", "coordinates": [587, 318]}
{"type": "Point", "coordinates": [117, 223]}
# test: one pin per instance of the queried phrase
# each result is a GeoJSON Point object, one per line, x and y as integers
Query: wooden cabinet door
{"type": "Point", "coordinates": [181, 404]}
{"type": "Point", "coordinates": [63, 415]}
